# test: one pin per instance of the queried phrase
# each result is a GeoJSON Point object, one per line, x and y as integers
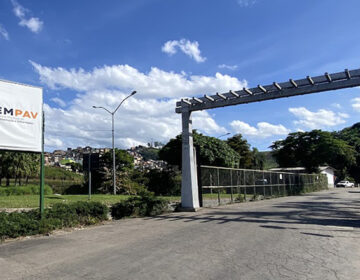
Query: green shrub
{"type": "Point", "coordinates": [60, 215]}
{"type": "Point", "coordinates": [165, 182]}
{"type": "Point", "coordinates": [78, 213]}
{"type": "Point", "coordinates": [24, 190]}
{"type": "Point", "coordinates": [146, 204]}
{"type": "Point", "coordinates": [18, 224]}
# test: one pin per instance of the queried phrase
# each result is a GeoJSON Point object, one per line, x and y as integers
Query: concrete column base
{"type": "Point", "coordinates": [187, 209]}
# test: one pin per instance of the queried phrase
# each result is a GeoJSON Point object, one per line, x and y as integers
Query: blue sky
{"type": "Point", "coordinates": [86, 53]}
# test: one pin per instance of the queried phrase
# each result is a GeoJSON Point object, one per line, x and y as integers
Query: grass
{"type": "Point", "coordinates": [32, 201]}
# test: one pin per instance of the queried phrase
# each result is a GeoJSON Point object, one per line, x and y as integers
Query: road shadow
{"type": "Point", "coordinates": [321, 209]}
{"type": "Point", "coordinates": [317, 234]}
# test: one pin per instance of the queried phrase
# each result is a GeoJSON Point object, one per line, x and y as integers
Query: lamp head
{"type": "Point", "coordinates": [133, 92]}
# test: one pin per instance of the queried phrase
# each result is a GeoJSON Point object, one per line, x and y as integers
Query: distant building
{"type": "Point", "coordinates": [326, 170]}
{"type": "Point", "coordinates": [61, 158]}
{"type": "Point", "coordinates": [330, 173]}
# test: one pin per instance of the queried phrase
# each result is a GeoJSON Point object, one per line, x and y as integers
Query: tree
{"type": "Point", "coordinates": [102, 178]}
{"type": "Point", "coordinates": [351, 135]}
{"type": "Point", "coordinates": [5, 161]}
{"type": "Point", "coordinates": [242, 147]}
{"type": "Point", "coordinates": [312, 149]}
{"type": "Point", "coordinates": [123, 160]}
{"type": "Point", "coordinates": [213, 151]}
{"type": "Point", "coordinates": [18, 165]}
{"type": "Point", "coordinates": [258, 159]}
{"type": "Point", "coordinates": [165, 182]}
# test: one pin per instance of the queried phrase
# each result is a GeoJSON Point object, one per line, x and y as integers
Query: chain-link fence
{"type": "Point", "coordinates": [222, 185]}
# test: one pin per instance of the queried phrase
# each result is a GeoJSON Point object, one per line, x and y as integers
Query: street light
{"type": "Point", "coordinates": [113, 135]}
{"type": "Point", "coordinates": [223, 135]}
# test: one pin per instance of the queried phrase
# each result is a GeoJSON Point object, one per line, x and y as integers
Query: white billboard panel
{"type": "Point", "coordinates": [20, 117]}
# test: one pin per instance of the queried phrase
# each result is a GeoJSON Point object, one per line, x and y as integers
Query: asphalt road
{"type": "Point", "coordinates": [316, 236]}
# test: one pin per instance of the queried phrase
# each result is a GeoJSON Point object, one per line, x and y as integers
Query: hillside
{"type": "Point", "coordinates": [57, 173]}
{"type": "Point", "coordinates": [148, 152]}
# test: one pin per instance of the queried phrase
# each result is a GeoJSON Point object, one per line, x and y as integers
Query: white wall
{"type": "Point", "coordinates": [330, 176]}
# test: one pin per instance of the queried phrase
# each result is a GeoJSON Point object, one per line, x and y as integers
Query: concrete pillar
{"type": "Point", "coordinates": [189, 184]}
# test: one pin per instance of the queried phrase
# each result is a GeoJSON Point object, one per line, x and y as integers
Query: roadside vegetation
{"type": "Point", "coordinates": [143, 205]}
{"type": "Point", "coordinates": [32, 201]}
{"type": "Point", "coordinates": [80, 213]}
{"type": "Point", "coordinates": [60, 215]}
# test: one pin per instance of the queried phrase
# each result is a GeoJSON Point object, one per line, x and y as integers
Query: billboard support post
{"type": "Point", "coordinates": [42, 168]}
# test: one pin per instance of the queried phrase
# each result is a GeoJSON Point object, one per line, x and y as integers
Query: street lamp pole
{"type": "Point", "coordinates": [113, 152]}
{"type": "Point", "coordinates": [228, 133]}
{"type": "Point", "coordinates": [113, 135]}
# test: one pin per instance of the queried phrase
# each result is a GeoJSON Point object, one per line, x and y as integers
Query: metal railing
{"type": "Point", "coordinates": [220, 185]}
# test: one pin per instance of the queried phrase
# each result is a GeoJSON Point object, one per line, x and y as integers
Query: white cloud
{"type": "Point", "coordinates": [246, 3]}
{"type": "Point", "coordinates": [230, 67]}
{"type": "Point", "coordinates": [189, 48]}
{"type": "Point", "coordinates": [136, 122]}
{"type": "Point", "coordinates": [4, 33]}
{"type": "Point", "coordinates": [205, 123]}
{"type": "Point", "coordinates": [154, 84]}
{"type": "Point", "coordinates": [356, 104]}
{"type": "Point", "coordinates": [336, 105]}
{"type": "Point", "coordinates": [19, 10]}
{"type": "Point", "coordinates": [343, 115]}
{"type": "Point", "coordinates": [54, 143]}
{"type": "Point", "coordinates": [316, 120]}
{"type": "Point", "coordinates": [263, 129]}
{"type": "Point", "coordinates": [33, 23]}
{"type": "Point", "coordinates": [58, 101]}
{"type": "Point", "coordinates": [148, 114]}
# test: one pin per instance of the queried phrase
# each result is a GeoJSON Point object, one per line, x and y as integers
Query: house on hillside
{"type": "Point", "coordinates": [326, 170]}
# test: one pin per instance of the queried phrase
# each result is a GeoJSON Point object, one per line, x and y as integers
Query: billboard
{"type": "Point", "coordinates": [20, 117]}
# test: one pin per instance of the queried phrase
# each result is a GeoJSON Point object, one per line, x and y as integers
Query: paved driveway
{"type": "Point", "coordinates": [316, 236]}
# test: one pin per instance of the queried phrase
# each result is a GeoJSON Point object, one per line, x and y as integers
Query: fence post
{"type": "Point", "coordinates": [238, 184]}
{"type": "Point", "coordinates": [199, 176]}
{"type": "Point", "coordinates": [254, 184]}
{"type": "Point", "coordinates": [218, 185]}
{"type": "Point", "coordinates": [231, 186]}
{"type": "Point", "coordinates": [264, 185]}
{"type": "Point", "coordinates": [284, 185]}
{"type": "Point", "coordinates": [278, 183]}
{"type": "Point", "coordinates": [244, 186]}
